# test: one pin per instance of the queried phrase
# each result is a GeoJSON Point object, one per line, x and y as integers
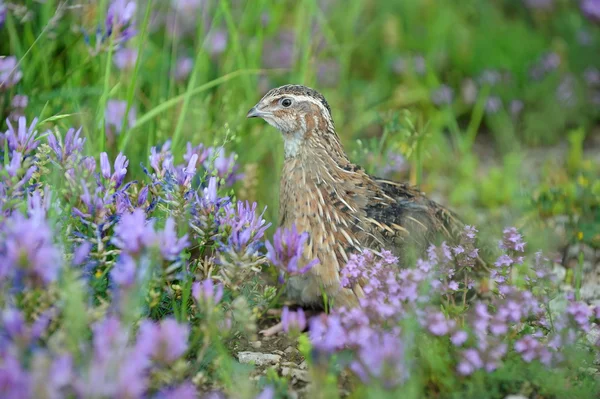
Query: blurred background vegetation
{"type": "Point", "coordinates": [492, 107]}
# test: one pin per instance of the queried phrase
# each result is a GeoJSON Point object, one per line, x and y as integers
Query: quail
{"type": "Point", "coordinates": [343, 209]}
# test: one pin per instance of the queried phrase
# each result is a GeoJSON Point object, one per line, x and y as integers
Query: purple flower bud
{"type": "Point", "coordinates": [443, 95]}
{"type": "Point", "coordinates": [133, 233]}
{"type": "Point", "coordinates": [166, 341]}
{"type": "Point", "coordinates": [216, 42]}
{"type": "Point", "coordinates": [22, 139]}
{"type": "Point", "coordinates": [293, 321]}
{"type": "Point", "coordinates": [28, 249]}
{"type": "Point", "coordinates": [105, 165]}
{"type": "Point", "coordinates": [89, 163]}
{"type": "Point", "coordinates": [10, 74]}
{"type": "Point", "coordinates": [171, 246]}
{"type": "Point", "coordinates": [81, 253]}
{"type": "Point", "coordinates": [286, 251]}
{"type": "Point", "coordinates": [183, 67]}
{"type": "Point", "coordinates": [124, 272]}
{"type": "Point", "coordinates": [591, 9]}
{"type": "Point", "coordinates": [120, 20]}
{"type": "Point", "coordinates": [207, 293]}
{"type": "Point", "coordinates": [142, 196]}
{"type": "Point", "coordinates": [187, 390]}
{"type": "Point", "coordinates": [459, 338]}
{"type": "Point", "coordinates": [125, 58]}
{"type": "Point", "coordinates": [115, 113]}
{"type": "Point", "coordinates": [267, 393]}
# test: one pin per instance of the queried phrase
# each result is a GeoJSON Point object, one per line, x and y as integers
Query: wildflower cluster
{"type": "Point", "coordinates": [479, 333]}
{"type": "Point", "coordinates": [125, 247]}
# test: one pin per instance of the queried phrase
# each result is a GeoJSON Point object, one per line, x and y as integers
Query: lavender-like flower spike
{"type": "Point", "coordinates": [286, 251]}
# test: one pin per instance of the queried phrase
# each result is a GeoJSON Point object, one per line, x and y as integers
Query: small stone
{"type": "Point", "coordinates": [298, 374]}
{"type": "Point", "coordinates": [258, 359]}
{"type": "Point", "coordinates": [256, 344]}
{"type": "Point", "coordinates": [303, 365]}
{"type": "Point", "coordinates": [290, 350]}
{"type": "Point", "coordinates": [516, 397]}
{"type": "Point", "coordinates": [280, 353]}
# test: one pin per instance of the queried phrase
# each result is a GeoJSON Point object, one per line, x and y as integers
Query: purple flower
{"type": "Point", "coordinates": [516, 106]}
{"type": "Point", "coordinates": [187, 390]}
{"type": "Point", "coordinates": [216, 42]}
{"type": "Point", "coordinates": [166, 341]}
{"type": "Point", "coordinates": [171, 246]}
{"type": "Point", "coordinates": [328, 72]}
{"type": "Point", "coordinates": [591, 9]}
{"type": "Point", "coordinates": [70, 148]}
{"type": "Point", "coordinates": [471, 362]}
{"type": "Point", "coordinates": [223, 166]}
{"type": "Point", "coordinates": [124, 272]}
{"type": "Point", "coordinates": [443, 95]}
{"type": "Point", "coordinates": [530, 349]}
{"type": "Point", "coordinates": [2, 14]}
{"type": "Point", "coordinates": [51, 376]}
{"type": "Point", "coordinates": [27, 250]}
{"type": "Point", "coordinates": [493, 104]}
{"type": "Point", "coordinates": [15, 382]}
{"type": "Point", "coordinates": [437, 324]}
{"type": "Point", "coordinates": [183, 67]}
{"type": "Point", "coordinates": [23, 139]}
{"type": "Point", "coordinates": [125, 58]}
{"type": "Point", "coordinates": [381, 358]}
{"type": "Point", "coordinates": [17, 330]}
{"type": "Point", "coordinates": [120, 20]}
{"type": "Point", "coordinates": [133, 233]}
{"type": "Point", "coordinates": [581, 313]}
{"type": "Point", "coordinates": [287, 249]}
{"type": "Point", "coordinates": [18, 104]}
{"type": "Point", "coordinates": [512, 240]}
{"type": "Point", "coordinates": [207, 293]}
{"type": "Point", "coordinates": [419, 65]}
{"type": "Point", "coordinates": [114, 115]}
{"type": "Point", "coordinates": [267, 393]}
{"type": "Point", "coordinates": [293, 321]}
{"type": "Point", "coordinates": [327, 333]}
{"type": "Point", "coordinates": [81, 253]}
{"type": "Point", "coordinates": [399, 65]}
{"type": "Point", "coordinates": [279, 52]}
{"type": "Point", "coordinates": [10, 75]}
{"type": "Point", "coordinates": [459, 337]}
{"type": "Point", "coordinates": [120, 166]}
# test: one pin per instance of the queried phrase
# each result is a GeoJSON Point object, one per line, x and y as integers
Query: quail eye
{"type": "Point", "coordinates": [286, 102]}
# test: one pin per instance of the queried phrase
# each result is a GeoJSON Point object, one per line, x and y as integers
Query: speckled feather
{"type": "Point", "coordinates": [343, 209]}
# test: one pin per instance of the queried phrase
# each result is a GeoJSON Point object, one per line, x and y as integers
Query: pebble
{"type": "Point", "coordinates": [298, 374]}
{"type": "Point", "coordinates": [258, 359]}
{"type": "Point", "coordinates": [256, 344]}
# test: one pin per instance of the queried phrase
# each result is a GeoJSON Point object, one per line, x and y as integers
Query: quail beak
{"type": "Point", "coordinates": [255, 113]}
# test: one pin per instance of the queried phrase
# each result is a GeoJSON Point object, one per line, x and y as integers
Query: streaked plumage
{"type": "Point", "coordinates": [342, 208]}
